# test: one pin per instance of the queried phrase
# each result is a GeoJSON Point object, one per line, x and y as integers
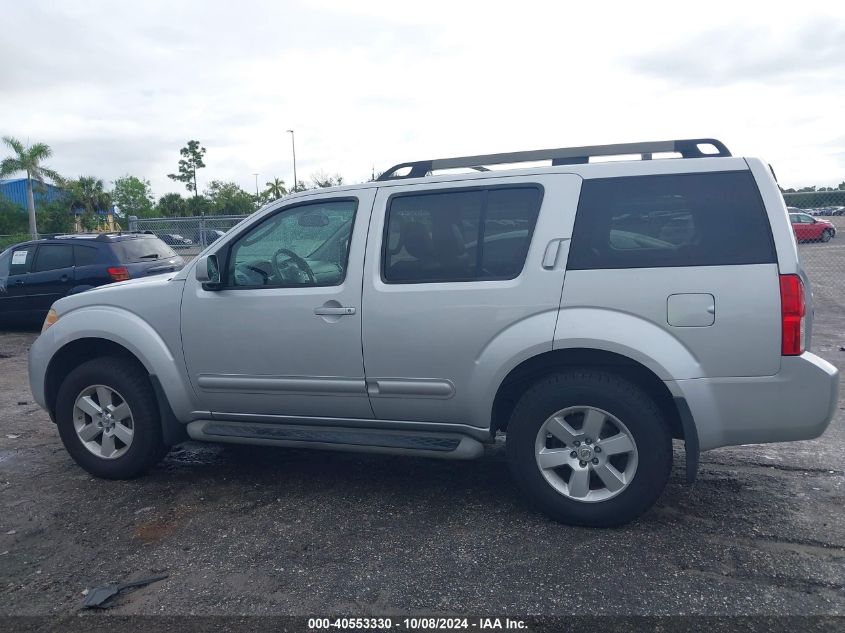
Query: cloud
{"type": "Point", "coordinates": [118, 87]}
{"type": "Point", "coordinates": [751, 54]}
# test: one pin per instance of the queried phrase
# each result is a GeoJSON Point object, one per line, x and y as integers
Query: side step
{"type": "Point", "coordinates": [420, 443]}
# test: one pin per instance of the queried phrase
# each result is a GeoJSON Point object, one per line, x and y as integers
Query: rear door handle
{"type": "Point", "coordinates": [333, 311]}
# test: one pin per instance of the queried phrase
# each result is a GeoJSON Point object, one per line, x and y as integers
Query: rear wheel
{"type": "Point", "coordinates": [108, 418]}
{"type": "Point", "coordinates": [589, 448]}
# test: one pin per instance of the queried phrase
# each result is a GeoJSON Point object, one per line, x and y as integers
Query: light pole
{"type": "Point", "coordinates": [293, 148]}
{"type": "Point", "coordinates": [256, 186]}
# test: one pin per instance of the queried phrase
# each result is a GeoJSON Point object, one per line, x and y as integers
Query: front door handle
{"type": "Point", "coordinates": [333, 311]}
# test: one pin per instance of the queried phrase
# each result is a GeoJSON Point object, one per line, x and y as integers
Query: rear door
{"type": "Point", "coordinates": [449, 268]}
{"type": "Point", "coordinates": [52, 275]}
{"type": "Point", "coordinates": [691, 253]}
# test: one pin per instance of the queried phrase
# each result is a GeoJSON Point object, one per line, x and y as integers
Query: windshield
{"type": "Point", "coordinates": [143, 249]}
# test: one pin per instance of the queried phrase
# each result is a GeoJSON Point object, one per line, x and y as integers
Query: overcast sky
{"type": "Point", "coordinates": [118, 87]}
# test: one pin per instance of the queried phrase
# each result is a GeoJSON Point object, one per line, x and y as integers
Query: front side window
{"type": "Point", "coordinates": [707, 219]}
{"type": "Point", "coordinates": [459, 235]}
{"type": "Point", "coordinates": [21, 260]}
{"type": "Point", "coordinates": [305, 245]}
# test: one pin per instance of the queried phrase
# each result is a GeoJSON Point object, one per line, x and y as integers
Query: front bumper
{"type": "Point", "coordinates": [797, 403]}
{"type": "Point", "coordinates": [40, 354]}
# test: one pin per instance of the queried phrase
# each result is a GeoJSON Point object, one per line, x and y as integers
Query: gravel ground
{"type": "Point", "coordinates": [276, 531]}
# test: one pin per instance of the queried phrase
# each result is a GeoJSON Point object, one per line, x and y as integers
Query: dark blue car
{"type": "Point", "coordinates": [33, 275]}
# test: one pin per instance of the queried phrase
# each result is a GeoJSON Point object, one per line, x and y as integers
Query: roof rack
{"type": "Point", "coordinates": [687, 148]}
{"type": "Point", "coordinates": [102, 237]}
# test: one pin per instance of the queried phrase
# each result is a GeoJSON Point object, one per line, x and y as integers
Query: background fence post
{"type": "Point", "coordinates": [133, 223]}
{"type": "Point", "coordinates": [202, 230]}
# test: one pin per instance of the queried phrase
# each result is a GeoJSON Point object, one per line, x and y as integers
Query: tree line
{"type": "Point", "coordinates": [815, 197]}
{"type": "Point", "coordinates": [88, 198]}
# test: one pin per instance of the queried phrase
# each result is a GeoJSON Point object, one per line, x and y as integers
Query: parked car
{"type": "Point", "coordinates": [591, 312]}
{"type": "Point", "coordinates": [211, 236]}
{"type": "Point", "coordinates": [175, 240]}
{"type": "Point", "coordinates": [810, 229]}
{"type": "Point", "coordinates": [35, 274]}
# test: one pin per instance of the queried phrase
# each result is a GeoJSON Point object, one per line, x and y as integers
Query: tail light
{"type": "Point", "coordinates": [792, 313]}
{"type": "Point", "coordinates": [118, 273]}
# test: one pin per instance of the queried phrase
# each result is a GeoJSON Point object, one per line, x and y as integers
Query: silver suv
{"type": "Point", "coordinates": [592, 311]}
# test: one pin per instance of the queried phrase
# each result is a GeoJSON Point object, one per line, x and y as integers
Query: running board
{"type": "Point", "coordinates": [420, 443]}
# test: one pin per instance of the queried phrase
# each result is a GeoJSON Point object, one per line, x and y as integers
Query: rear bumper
{"type": "Point", "coordinates": [798, 403]}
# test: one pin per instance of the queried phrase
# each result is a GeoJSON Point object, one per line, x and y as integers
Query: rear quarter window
{"type": "Point", "coordinates": [709, 219]}
{"type": "Point", "coordinates": [85, 255]}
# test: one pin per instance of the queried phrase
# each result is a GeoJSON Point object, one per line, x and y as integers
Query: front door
{"type": "Point", "coordinates": [283, 335]}
{"type": "Point", "coordinates": [14, 273]}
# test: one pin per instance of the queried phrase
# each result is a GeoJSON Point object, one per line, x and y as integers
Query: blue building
{"type": "Point", "coordinates": [14, 189]}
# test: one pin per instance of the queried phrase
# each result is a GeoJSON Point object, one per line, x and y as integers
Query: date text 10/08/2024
{"type": "Point", "coordinates": [421, 623]}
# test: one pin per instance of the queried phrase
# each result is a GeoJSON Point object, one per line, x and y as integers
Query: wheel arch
{"type": "Point", "coordinates": [81, 350]}
{"type": "Point", "coordinates": [532, 369]}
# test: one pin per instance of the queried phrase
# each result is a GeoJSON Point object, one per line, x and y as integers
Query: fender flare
{"type": "Point", "coordinates": [587, 328]}
{"type": "Point", "coordinates": [131, 332]}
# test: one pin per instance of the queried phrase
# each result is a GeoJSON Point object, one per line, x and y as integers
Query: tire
{"type": "Point", "coordinates": [627, 413]}
{"type": "Point", "coordinates": [128, 385]}
{"type": "Point", "coordinates": [826, 235]}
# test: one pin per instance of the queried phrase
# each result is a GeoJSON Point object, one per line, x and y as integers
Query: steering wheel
{"type": "Point", "coordinates": [300, 263]}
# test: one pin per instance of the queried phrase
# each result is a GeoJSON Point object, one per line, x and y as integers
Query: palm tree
{"type": "Point", "coordinates": [28, 159]}
{"type": "Point", "coordinates": [275, 189]}
{"type": "Point", "coordinates": [89, 196]}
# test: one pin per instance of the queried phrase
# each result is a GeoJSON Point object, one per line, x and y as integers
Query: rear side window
{"type": "Point", "coordinates": [142, 249]}
{"type": "Point", "coordinates": [84, 255]}
{"type": "Point", "coordinates": [459, 235]}
{"type": "Point", "coordinates": [53, 257]}
{"type": "Point", "coordinates": [709, 219]}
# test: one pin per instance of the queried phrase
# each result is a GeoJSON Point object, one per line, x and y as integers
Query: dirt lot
{"type": "Point", "coordinates": [292, 532]}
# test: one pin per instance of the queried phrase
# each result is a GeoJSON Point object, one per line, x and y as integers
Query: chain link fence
{"type": "Point", "coordinates": [187, 236]}
{"type": "Point", "coordinates": [818, 221]}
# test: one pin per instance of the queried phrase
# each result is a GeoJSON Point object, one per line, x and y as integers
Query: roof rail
{"type": "Point", "coordinates": [687, 148]}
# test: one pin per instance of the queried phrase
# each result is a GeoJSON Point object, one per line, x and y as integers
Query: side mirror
{"type": "Point", "coordinates": [208, 272]}
{"type": "Point", "coordinates": [313, 219]}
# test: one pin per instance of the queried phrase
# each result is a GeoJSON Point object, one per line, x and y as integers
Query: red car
{"type": "Point", "coordinates": [810, 229]}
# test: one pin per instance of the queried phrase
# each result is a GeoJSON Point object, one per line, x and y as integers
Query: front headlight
{"type": "Point", "coordinates": [52, 317]}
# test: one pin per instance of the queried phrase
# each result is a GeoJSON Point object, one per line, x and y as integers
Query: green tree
{"type": "Point", "coordinates": [171, 205]}
{"type": "Point", "coordinates": [12, 218]}
{"type": "Point", "coordinates": [321, 180]}
{"type": "Point", "coordinates": [89, 199]}
{"type": "Point", "coordinates": [229, 199]}
{"type": "Point", "coordinates": [190, 162]}
{"type": "Point", "coordinates": [198, 205]}
{"type": "Point", "coordinates": [133, 196]}
{"type": "Point", "coordinates": [56, 217]}
{"type": "Point", "coordinates": [275, 189]}
{"type": "Point", "coordinates": [28, 160]}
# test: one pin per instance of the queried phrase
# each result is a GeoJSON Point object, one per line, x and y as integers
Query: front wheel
{"type": "Point", "coordinates": [826, 235]}
{"type": "Point", "coordinates": [588, 447]}
{"type": "Point", "coordinates": [108, 418]}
